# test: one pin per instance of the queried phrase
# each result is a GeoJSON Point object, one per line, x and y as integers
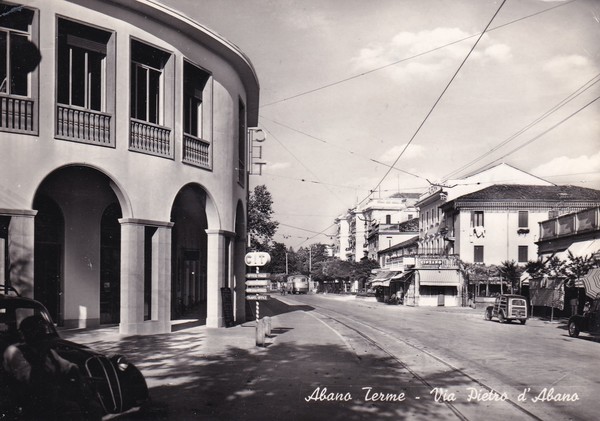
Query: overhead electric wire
{"type": "Point", "coordinates": [411, 57]}
{"type": "Point", "coordinates": [300, 162]}
{"type": "Point", "coordinates": [351, 152]}
{"type": "Point", "coordinates": [546, 131]}
{"type": "Point", "coordinates": [437, 100]}
{"type": "Point", "coordinates": [552, 110]}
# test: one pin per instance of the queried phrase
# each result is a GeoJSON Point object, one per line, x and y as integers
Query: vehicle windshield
{"type": "Point", "coordinates": [12, 314]}
{"type": "Point", "coordinates": [518, 302]}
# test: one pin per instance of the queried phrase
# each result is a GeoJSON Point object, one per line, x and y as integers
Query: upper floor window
{"type": "Point", "coordinates": [81, 65]}
{"type": "Point", "coordinates": [194, 83]}
{"type": "Point", "coordinates": [15, 63]}
{"type": "Point", "coordinates": [523, 219]}
{"type": "Point", "coordinates": [523, 254]}
{"type": "Point", "coordinates": [477, 219]}
{"type": "Point", "coordinates": [197, 116]}
{"type": "Point", "coordinates": [478, 254]}
{"type": "Point", "coordinates": [242, 144]}
{"type": "Point", "coordinates": [147, 90]}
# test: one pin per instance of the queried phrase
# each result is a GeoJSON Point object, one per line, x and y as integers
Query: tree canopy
{"type": "Point", "coordinates": [261, 226]}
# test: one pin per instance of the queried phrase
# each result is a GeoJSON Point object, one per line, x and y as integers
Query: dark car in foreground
{"type": "Point", "coordinates": [116, 383]}
{"type": "Point", "coordinates": [508, 307]}
{"type": "Point", "coordinates": [588, 322]}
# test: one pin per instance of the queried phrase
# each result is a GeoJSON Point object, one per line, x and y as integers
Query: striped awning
{"type": "Point", "coordinates": [591, 281]}
{"type": "Point", "coordinates": [439, 277]}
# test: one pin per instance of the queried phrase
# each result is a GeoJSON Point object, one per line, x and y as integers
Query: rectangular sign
{"type": "Point", "coordinates": [257, 297]}
{"type": "Point", "coordinates": [258, 283]}
{"type": "Point", "coordinates": [258, 275]}
{"type": "Point", "coordinates": [256, 290]}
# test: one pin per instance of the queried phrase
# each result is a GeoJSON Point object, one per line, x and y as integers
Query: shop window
{"type": "Point", "coordinates": [478, 254]}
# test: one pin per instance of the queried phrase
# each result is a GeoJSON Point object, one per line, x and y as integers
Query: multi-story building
{"type": "Point", "coordinates": [362, 229]}
{"type": "Point", "coordinates": [433, 233]}
{"type": "Point", "coordinates": [500, 223]}
{"type": "Point", "coordinates": [124, 156]}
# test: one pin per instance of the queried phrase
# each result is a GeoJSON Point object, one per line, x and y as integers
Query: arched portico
{"type": "Point", "coordinates": [77, 209]}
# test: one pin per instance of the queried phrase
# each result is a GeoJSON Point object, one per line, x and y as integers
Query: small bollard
{"type": "Point", "coordinates": [267, 322]}
{"type": "Point", "coordinates": [260, 333]}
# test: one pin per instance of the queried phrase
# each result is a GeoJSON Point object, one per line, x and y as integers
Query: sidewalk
{"type": "Point", "coordinates": [197, 373]}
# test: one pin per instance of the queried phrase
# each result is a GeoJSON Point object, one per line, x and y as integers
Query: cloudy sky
{"type": "Point", "coordinates": [351, 87]}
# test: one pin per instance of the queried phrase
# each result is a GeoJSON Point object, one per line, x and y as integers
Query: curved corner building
{"type": "Point", "coordinates": [123, 163]}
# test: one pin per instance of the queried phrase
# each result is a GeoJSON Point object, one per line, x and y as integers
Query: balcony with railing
{"type": "Point", "coordinates": [150, 138]}
{"type": "Point", "coordinates": [17, 114]}
{"type": "Point", "coordinates": [196, 151]}
{"type": "Point", "coordinates": [83, 125]}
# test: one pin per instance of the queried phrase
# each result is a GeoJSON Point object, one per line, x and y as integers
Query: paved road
{"type": "Point", "coordinates": [509, 358]}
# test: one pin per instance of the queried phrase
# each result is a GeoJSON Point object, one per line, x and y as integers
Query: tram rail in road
{"type": "Point", "coordinates": [484, 400]}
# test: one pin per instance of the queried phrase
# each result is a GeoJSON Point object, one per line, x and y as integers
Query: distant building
{"type": "Point", "coordinates": [361, 230]}
{"type": "Point", "coordinates": [124, 162]}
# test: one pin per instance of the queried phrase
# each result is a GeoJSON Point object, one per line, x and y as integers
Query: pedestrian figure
{"type": "Point", "coordinates": [574, 302]}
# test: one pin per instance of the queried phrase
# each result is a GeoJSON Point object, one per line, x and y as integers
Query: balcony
{"type": "Point", "coordinates": [150, 138]}
{"type": "Point", "coordinates": [17, 115]}
{"type": "Point", "coordinates": [83, 125]}
{"type": "Point", "coordinates": [196, 151]}
{"type": "Point", "coordinates": [571, 224]}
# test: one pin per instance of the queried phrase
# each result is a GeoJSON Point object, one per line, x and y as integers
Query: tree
{"type": "Point", "coordinates": [261, 226]}
{"type": "Point", "coordinates": [278, 254]}
{"type": "Point", "coordinates": [510, 271]}
{"type": "Point", "coordinates": [577, 267]}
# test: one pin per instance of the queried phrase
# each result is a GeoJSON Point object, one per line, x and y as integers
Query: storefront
{"type": "Point", "coordinates": [431, 287]}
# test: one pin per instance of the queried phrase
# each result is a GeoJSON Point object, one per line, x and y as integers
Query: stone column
{"type": "Point", "coordinates": [21, 242]}
{"type": "Point", "coordinates": [133, 265]}
{"type": "Point", "coordinates": [239, 276]}
{"type": "Point", "coordinates": [217, 274]}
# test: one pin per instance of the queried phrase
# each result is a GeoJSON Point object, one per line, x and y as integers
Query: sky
{"type": "Point", "coordinates": [365, 99]}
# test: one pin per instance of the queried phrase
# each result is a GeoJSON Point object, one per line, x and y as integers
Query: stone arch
{"type": "Point", "coordinates": [82, 194]}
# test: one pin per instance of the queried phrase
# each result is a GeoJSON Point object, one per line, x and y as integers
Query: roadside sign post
{"type": "Point", "coordinates": [257, 288]}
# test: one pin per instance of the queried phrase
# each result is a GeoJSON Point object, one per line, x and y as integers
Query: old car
{"type": "Point", "coordinates": [117, 384]}
{"type": "Point", "coordinates": [507, 308]}
{"type": "Point", "coordinates": [588, 322]}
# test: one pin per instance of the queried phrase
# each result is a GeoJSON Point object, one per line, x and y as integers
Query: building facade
{"type": "Point", "coordinates": [434, 234]}
{"type": "Point", "coordinates": [362, 231]}
{"type": "Point", "coordinates": [124, 145]}
{"type": "Point", "coordinates": [500, 223]}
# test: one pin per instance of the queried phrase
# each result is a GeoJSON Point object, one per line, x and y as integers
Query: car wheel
{"type": "Point", "coordinates": [488, 314]}
{"type": "Point", "coordinates": [573, 329]}
{"type": "Point", "coordinates": [501, 317]}
{"type": "Point", "coordinates": [523, 321]}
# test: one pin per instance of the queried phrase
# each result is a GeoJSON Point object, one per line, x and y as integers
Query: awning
{"type": "Point", "coordinates": [591, 281]}
{"type": "Point", "coordinates": [584, 248]}
{"type": "Point", "coordinates": [382, 279]}
{"type": "Point", "coordinates": [439, 277]}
